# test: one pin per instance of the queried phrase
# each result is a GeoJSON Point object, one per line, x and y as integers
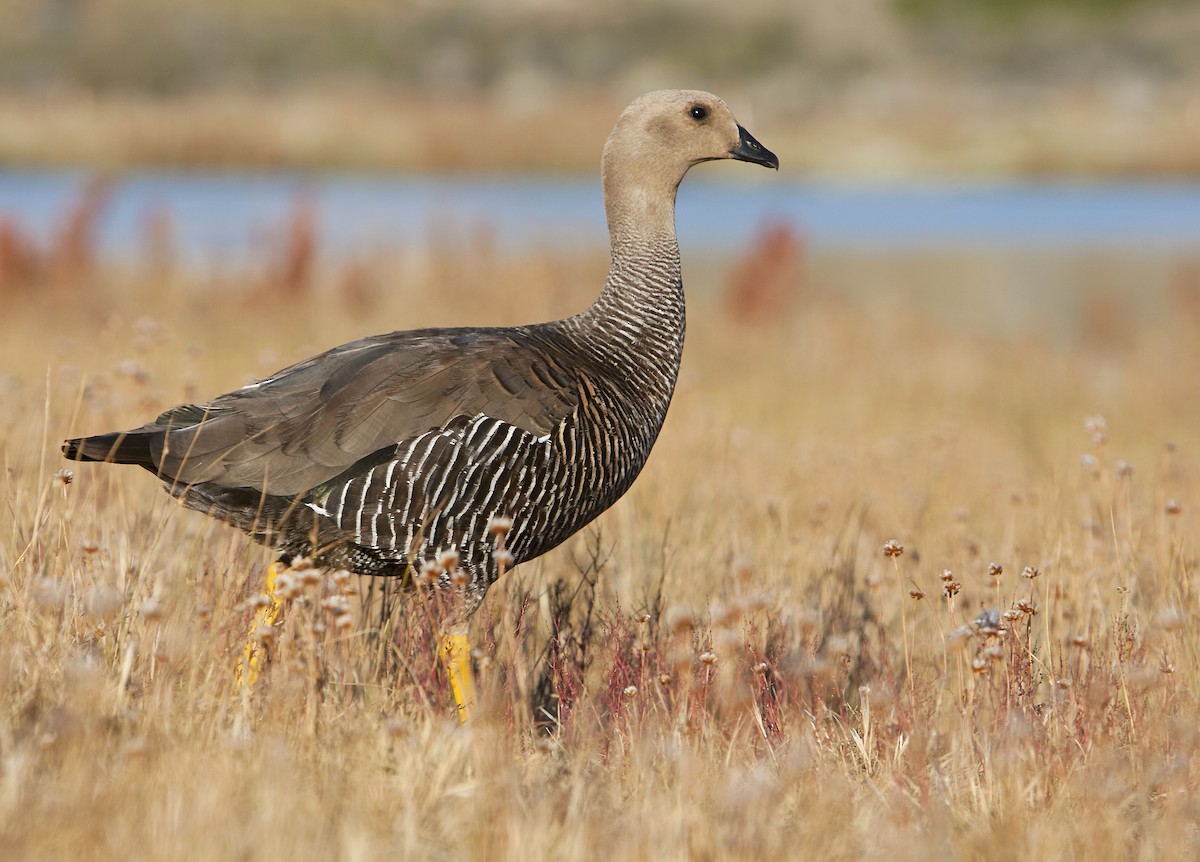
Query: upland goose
{"type": "Point", "coordinates": [383, 454]}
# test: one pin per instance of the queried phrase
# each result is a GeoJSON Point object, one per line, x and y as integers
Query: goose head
{"type": "Point", "coordinates": [658, 138]}
{"type": "Point", "coordinates": [669, 131]}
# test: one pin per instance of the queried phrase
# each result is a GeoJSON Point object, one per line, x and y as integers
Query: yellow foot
{"type": "Point", "coordinates": [250, 665]}
{"type": "Point", "coordinates": [456, 650]}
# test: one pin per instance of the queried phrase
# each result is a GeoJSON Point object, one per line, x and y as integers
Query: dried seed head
{"type": "Point", "coordinates": [499, 526]}
{"type": "Point", "coordinates": [1078, 641]}
{"type": "Point", "coordinates": [152, 609]}
{"type": "Point", "coordinates": [1174, 507]}
{"type": "Point", "coordinates": [743, 569]}
{"type": "Point", "coordinates": [630, 690]}
{"type": "Point", "coordinates": [680, 661]}
{"type": "Point", "coordinates": [286, 587]}
{"type": "Point", "coordinates": [989, 624]}
{"type": "Point", "coordinates": [459, 577]}
{"type": "Point", "coordinates": [680, 620]}
{"type": "Point", "coordinates": [1012, 615]}
{"type": "Point", "coordinates": [309, 577]}
{"type": "Point", "coordinates": [995, 570]}
{"type": "Point", "coordinates": [1095, 424]}
{"type": "Point", "coordinates": [1088, 461]}
{"type": "Point", "coordinates": [1028, 607]}
{"type": "Point", "coordinates": [917, 593]}
{"type": "Point", "coordinates": [1123, 469]}
{"type": "Point", "coordinates": [761, 668]}
{"type": "Point", "coordinates": [979, 665]}
{"type": "Point", "coordinates": [757, 601]}
{"type": "Point", "coordinates": [448, 559]}
{"type": "Point", "coordinates": [726, 614]}
{"type": "Point", "coordinates": [808, 621]}
{"type": "Point", "coordinates": [664, 679]}
{"type": "Point", "coordinates": [344, 622]}
{"type": "Point", "coordinates": [1030, 572]}
{"type": "Point", "coordinates": [892, 548]}
{"type": "Point", "coordinates": [336, 604]}
{"type": "Point", "coordinates": [708, 658]}
{"type": "Point", "coordinates": [950, 590]}
{"type": "Point", "coordinates": [341, 578]}
{"type": "Point", "coordinates": [947, 576]}
{"type": "Point", "coordinates": [429, 572]}
{"type": "Point", "coordinates": [64, 476]}
{"type": "Point", "coordinates": [644, 619]}
{"type": "Point", "coordinates": [89, 546]}
{"type": "Point", "coordinates": [264, 635]}
{"type": "Point", "coordinates": [503, 558]}
{"type": "Point", "coordinates": [104, 602]}
{"type": "Point", "coordinates": [959, 637]}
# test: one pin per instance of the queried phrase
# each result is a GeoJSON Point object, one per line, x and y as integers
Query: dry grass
{"type": "Point", "coordinates": [725, 666]}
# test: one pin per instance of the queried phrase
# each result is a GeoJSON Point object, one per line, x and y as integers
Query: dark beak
{"type": "Point", "coordinates": [750, 150]}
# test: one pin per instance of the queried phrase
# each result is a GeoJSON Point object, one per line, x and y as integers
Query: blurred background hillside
{"type": "Point", "coordinates": [860, 88]}
{"type": "Point", "coordinates": [994, 161]}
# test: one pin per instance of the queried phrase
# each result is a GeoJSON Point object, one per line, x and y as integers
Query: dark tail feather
{"type": "Point", "coordinates": [126, 447]}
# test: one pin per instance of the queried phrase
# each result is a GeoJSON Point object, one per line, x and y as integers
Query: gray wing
{"type": "Point", "coordinates": [313, 421]}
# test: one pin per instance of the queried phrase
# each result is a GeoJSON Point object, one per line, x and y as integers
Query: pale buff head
{"type": "Point", "coordinates": [667, 131]}
{"type": "Point", "coordinates": [654, 143]}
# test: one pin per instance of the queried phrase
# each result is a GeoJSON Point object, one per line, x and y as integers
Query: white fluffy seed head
{"type": "Point", "coordinates": [499, 526]}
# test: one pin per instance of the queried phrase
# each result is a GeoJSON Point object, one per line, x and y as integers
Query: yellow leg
{"type": "Point", "coordinates": [250, 665]}
{"type": "Point", "coordinates": [456, 650]}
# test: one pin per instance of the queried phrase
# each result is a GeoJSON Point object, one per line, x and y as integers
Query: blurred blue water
{"type": "Point", "coordinates": [222, 217]}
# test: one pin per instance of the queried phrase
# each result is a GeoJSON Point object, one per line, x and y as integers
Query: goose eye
{"type": "Point", "coordinates": [698, 112]}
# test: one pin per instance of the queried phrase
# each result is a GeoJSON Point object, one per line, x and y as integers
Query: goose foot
{"type": "Point", "coordinates": [250, 665]}
{"type": "Point", "coordinates": [456, 652]}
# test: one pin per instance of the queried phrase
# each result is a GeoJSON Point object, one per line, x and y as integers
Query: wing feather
{"type": "Point", "coordinates": [314, 420]}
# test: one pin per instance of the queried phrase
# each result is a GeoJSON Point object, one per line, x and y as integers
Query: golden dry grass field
{"type": "Point", "coordinates": [726, 665]}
